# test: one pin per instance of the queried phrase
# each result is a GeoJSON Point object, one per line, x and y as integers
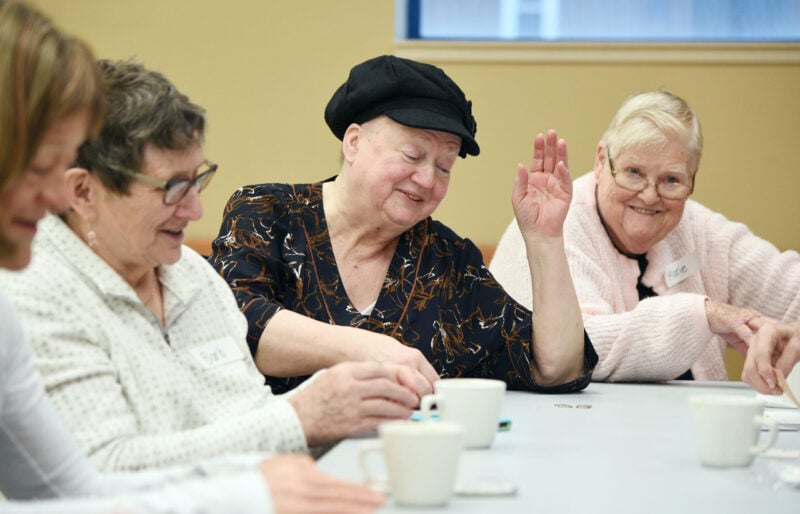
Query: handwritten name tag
{"type": "Point", "coordinates": [682, 269]}
{"type": "Point", "coordinates": [216, 353]}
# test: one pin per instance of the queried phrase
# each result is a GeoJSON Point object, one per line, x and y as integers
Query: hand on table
{"type": "Point", "coordinates": [352, 398]}
{"type": "Point", "coordinates": [297, 486]}
{"type": "Point", "coordinates": [542, 194]}
{"type": "Point", "coordinates": [391, 351]}
{"type": "Point", "coordinates": [735, 325]}
{"type": "Point", "coordinates": [774, 346]}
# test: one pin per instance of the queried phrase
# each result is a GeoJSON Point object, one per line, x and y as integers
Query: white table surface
{"type": "Point", "coordinates": [633, 451]}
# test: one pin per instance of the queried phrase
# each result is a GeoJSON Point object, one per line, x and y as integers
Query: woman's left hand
{"type": "Point", "coordinates": [542, 194]}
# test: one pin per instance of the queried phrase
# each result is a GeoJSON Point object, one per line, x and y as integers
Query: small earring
{"type": "Point", "coordinates": [91, 238]}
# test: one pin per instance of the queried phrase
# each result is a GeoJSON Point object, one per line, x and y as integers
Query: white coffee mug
{"type": "Point", "coordinates": [421, 460]}
{"type": "Point", "coordinates": [473, 403]}
{"type": "Point", "coordinates": [727, 429]}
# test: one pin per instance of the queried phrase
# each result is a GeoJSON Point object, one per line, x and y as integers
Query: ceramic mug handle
{"type": "Point", "coordinates": [380, 482]}
{"type": "Point", "coordinates": [426, 403]}
{"type": "Point", "coordinates": [772, 426]}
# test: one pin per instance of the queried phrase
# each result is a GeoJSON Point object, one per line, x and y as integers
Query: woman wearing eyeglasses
{"type": "Point", "coordinates": [51, 99]}
{"type": "Point", "coordinates": [663, 282]}
{"type": "Point", "coordinates": [139, 341]}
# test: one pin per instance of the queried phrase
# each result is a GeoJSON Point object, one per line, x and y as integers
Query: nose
{"type": "Point", "coordinates": [190, 207]}
{"type": "Point", "coordinates": [650, 193]}
{"type": "Point", "coordinates": [424, 175]}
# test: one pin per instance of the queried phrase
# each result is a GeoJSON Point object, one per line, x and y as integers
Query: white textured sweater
{"type": "Point", "coordinates": [660, 337]}
{"type": "Point", "coordinates": [134, 393]}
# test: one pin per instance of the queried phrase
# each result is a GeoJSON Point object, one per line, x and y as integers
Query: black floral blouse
{"type": "Point", "coordinates": [273, 249]}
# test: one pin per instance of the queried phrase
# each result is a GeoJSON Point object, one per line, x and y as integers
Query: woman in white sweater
{"type": "Point", "coordinates": [50, 100]}
{"type": "Point", "coordinates": [663, 282]}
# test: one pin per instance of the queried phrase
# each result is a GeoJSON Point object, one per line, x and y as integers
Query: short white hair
{"type": "Point", "coordinates": [652, 119]}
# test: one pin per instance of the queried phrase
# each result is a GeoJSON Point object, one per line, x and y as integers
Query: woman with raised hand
{"type": "Point", "coordinates": [355, 268]}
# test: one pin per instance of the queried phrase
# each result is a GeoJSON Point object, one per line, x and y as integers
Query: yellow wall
{"type": "Point", "coordinates": [265, 70]}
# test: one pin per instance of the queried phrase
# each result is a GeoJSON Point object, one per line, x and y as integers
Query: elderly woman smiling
{"type": "Point", "coordinates": [140, 342]}
{"type": "Point", "coordinates": [354, 268]}
{"type": "Point", "coordinates": [658, 275]}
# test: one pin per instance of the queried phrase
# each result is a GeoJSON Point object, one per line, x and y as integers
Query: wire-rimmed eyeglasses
{"type": "Point", "coordinates": [176, 190]}
{"type": "Point", "coordinates": [669, 186]}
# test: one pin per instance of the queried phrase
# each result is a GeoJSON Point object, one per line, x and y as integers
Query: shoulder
{"type": "Point", "coordinates": [270, 192]}
{"type": "Point", "coordinates": [700, 221]}
{"type": "Point", "coordinates": [449, 244]}
{"type": "Point", "coordinates": [267, 200]}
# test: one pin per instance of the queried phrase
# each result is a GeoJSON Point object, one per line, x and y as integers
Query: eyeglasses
{"type": "Point", "coordinates": [669, 186]}
{"type": "Point", "coordinates": [176, 190]}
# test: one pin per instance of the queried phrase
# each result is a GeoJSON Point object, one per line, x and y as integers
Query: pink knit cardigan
{"type": "Point", "coordinates": [660, 337]}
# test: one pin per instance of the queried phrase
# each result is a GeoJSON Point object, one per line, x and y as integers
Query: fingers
{"type": "Point", "coordinates": [548, 151]}
{"type": "Point", "coordinates": [384, 380]}
{"type": "Point", "coordinates": [416, 380]}
{"type": "Point", "coordinates": [298, 486]}
{"type": "Point", "coordinates": [429, 374]}
{"type": "Point", "coordinates": [377, 410]}
{"type": "Point", "coordinates": [758, 370]}
{"type": "Point", "coordinates": [561, 152]}
{"type": "Point", "coordinates": [743, 332]}
{"type": "Point", "coordinates": [538, 153]}
{"type": "Point", "coordinates": [520, 184]}
{"type": "Point", "coordinates": [562, 174]}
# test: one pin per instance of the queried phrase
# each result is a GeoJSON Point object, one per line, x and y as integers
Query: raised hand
{"type": "Point", "coordinates": [542, 193]}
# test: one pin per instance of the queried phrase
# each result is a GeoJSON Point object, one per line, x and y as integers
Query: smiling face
{"type": "Point", "coordinates": [38, 189]}
{"type": "Point", "coordinates": [399, 174]}
{"type": "Point", "coordinates": [136, 232]}
{"type": "Point", "coordinates": [637, 221]}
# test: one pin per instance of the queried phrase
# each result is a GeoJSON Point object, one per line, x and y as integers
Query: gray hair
{"type": "Point", "coordinates": [144, 107]}
{"type": "Point", "coordinates": [653, 119]}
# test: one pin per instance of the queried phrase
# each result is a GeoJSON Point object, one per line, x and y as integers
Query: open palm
{"type": "Point", "coordinates": [542, 194]}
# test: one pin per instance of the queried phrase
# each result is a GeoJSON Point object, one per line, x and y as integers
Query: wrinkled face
{"type": "Point", "coordinates": [403, 172]}
{"type": "Point", "coordinates": [136, 231]}
{"type": "Point", "coordinates": [38, 189]}
{"type": "Point", "coordinates": [637, 221]}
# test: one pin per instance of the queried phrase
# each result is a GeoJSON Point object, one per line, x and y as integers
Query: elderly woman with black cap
{"type": "Point", "coordinates": [354, 268]}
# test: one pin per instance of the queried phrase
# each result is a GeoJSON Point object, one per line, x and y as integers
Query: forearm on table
{"type": "Point", "coordinates": [270, 427]}
{"type": "Point", "coordinates": [657, 340]}
{"type": "Point", "coordinates": [558, 345]}
{"type": "Point", "coordinates": [295, 345]}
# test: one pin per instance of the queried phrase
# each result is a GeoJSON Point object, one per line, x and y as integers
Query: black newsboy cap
{"type": "Point", "coordinates": [411, 93]}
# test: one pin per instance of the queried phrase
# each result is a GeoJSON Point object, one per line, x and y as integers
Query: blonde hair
{"type": "Point", "coordinates": [653, 119]}
{"type": "Point", "coordinates": [45, 76]}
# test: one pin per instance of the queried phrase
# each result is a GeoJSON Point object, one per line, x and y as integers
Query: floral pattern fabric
{"type": "Point", "coordinates": [273, 249]}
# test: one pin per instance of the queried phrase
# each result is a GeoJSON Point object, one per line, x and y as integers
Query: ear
{"type": "Point", "coordinates": [82, 190]}
{"type": "Point", "coordinates": [350, 141]}
{"type": "Point", "coordinates": [600, 159]}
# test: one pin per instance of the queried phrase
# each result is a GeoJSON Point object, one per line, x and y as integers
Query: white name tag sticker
{"type": "Point", "coordinates": [217, 353]}
{"type": "Point", "coordinates": [682, 269]}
